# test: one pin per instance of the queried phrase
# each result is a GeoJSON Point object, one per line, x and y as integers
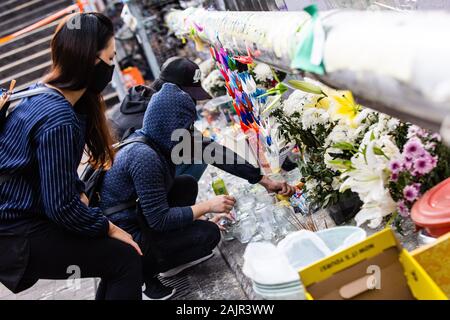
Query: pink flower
{"type": "Point", "coordinates": [424, 165]}
{"type": "Point", "coordinates": [410, 193]}
{"type": "Point", "coordinates": [395, 166]}
{"type": "Point", "coordinates": [394, 176]}
{"type": "Point", "coordinates": [407, 162]}
{"type": "Point", "coordinates": [434, 161]}
{"type": "Point", "coordinates": [417, 186]}
{"type": "Point", "coordinates": [414, 148]}
{"type": "Point", "coordinates": [436, 136]}
{"type": "Point", "coordinates": [415, 131]}
{"type": "Point", "coordinates": [430, 146]}
{"type": "Point", "coordinates": [403, 209]}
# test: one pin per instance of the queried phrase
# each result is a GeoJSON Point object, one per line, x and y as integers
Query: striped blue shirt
{"type": "Point", "coordinates": [41, 145]}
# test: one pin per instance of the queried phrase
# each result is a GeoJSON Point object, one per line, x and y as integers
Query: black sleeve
{"type": "Point", "coordinates": [227, 160]}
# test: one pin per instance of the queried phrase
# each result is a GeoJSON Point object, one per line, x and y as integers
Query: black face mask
{"type": "Point", "coordinates": [101, 77]}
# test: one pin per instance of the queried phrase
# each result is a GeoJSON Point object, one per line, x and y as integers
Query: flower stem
{"type": "Point", "coordinates": [391, 220]}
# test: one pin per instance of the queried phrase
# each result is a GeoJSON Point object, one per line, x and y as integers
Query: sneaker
{"type": "Point", "coordinates": [177, 270]}
{"type": "Point", "coordinates": [155, 290]}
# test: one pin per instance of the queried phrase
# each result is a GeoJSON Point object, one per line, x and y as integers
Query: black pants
{"type": "Point", "coordinates": [55, 254]}
{"type": "Point", "coordinates": [178, 247]}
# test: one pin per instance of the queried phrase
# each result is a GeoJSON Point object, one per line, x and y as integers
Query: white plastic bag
{"type": "Point", "coordinates": [303, 248]}
{"type": "Point", "coordinates": [339, 238]}
{"type": "Point", "coordinates": [265, 264]}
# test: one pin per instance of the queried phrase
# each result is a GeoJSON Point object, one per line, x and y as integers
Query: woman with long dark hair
{"type": "Point", "coordinates": [46, 228]}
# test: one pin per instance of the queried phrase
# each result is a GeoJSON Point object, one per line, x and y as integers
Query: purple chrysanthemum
{"type": "Point", "coordinates": [436, 136]}
{"type": "Point", "coordinates": [414, 148]}
{"type": "Point", "coordinates": [415, 131]}
{"type": "Point", "coordinates": [395, 166]}
{"type": "Point", "coordinates": [410, 193]}
{"type": "Point", "coordinates": [423, 166]}
{"type": "Point", "coordinates": [434, 161]}
{"type": "Point", "coordinates": [394, 177]}
{"type": "Point", "coordinates": [403, 209]}
{"type": "Point", "coordinates": [407, 162]}
{"type": "Point", "coordinates": [417, 186]}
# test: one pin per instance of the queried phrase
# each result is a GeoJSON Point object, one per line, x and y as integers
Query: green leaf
{"type": "Point", "coordinates": [378, 151]}
{"type": "Point", "coordinates": [344, 146]}
{"type": "Point", "coordinates": [281, 88]}
{"type": "Point", "coordinates": [345, 163]}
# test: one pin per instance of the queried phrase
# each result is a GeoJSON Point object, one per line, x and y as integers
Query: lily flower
{"type": "Point", "coordinates": [345, 108]}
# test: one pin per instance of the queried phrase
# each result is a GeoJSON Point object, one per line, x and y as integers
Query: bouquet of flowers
{"type": "Point", "coordinates": [347, 149]}
{"type": "Point", "coordinates": [422, 164]}
{"type": "Point", "coordinates": [304, 118]}
{"type": "Point", "coordinates": [367, 175]}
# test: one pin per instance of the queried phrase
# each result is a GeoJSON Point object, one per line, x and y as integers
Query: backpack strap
{"type": "Point", "coordinates": [33, 92]}
{"type": "Point", "coordinates": [18, 96]}
{"type": "Point", "coordinates": [133, 203]}
{"type": "Point", "coordinates": [119, 207]}
{"type": "Point", "coordinates": [138, 139]}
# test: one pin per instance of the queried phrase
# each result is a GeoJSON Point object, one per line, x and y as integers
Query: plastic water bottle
{"type": "Point", "coordinates": [220, 188]}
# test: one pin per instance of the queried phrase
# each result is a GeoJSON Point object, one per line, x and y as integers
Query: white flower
{"type": "Point", "coordinates": [374, 211]}
{"type": "Point", "coordinates": [393, 124]}
{"type": "Point", "coordinates": [311, 184]}
{"type": "Point", "coordinates": [369, 179]}
{"type": "Point", "coordinates": [388, 146]}
{"type": "Point", "coordinates": [385, 125]}
{"type": "Point", "coordinates": [295, 102]}
{"type": "Point", "coordinates": [340, 133]}
{"type": "Point", "coordinates": [362, 116]}
{"type": "Point", "coordinates": [313, 117]}
{"type": "Point", "coordinates": [213, 82]}
{"type": "Point", "coordinates": [263, 72]}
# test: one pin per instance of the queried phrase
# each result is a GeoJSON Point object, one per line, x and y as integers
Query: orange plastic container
{"type": "Point", "coordinates": [432, 210]}
{"type": "Point", "coordinates": [133, 77]}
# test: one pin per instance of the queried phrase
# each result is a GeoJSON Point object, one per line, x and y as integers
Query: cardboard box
{"type": "Point", "coordinates": [374, 269]}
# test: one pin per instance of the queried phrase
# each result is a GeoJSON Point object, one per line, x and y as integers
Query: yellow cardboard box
{"type": "Point", "coordinates": [377, 268]}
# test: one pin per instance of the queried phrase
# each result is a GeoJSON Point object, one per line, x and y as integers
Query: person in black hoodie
{"type": "Point", "coordinates": [168, 202]}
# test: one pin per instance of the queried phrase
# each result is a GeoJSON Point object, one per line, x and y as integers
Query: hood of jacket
{"type": "Point", "coordinates": [169, 109]}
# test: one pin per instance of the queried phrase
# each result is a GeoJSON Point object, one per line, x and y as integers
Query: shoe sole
{"type": "Point", "coordinates": [144, 297]}
{"type": "Point", "coordinates": [173, 272]}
